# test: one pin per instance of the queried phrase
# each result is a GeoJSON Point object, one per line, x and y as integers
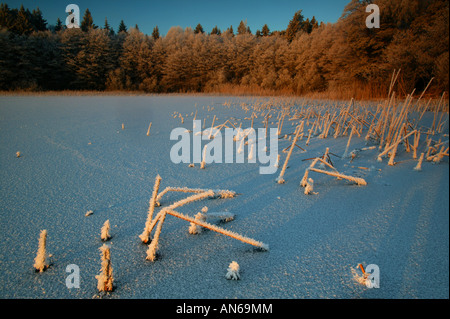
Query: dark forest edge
{"type": "Point", "coordinates": [335, 61]}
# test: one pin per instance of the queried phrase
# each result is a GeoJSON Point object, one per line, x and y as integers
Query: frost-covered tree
{"type": "Point", "coordinates": [295, 25]}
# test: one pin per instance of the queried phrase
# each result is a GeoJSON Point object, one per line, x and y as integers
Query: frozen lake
{"type": "Point", "coordinates": [75, 157]}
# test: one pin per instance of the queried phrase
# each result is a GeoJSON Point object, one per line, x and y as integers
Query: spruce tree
{"type": "Point", "coordinates": [294, 26]}
{"type": "Point", "coordinates": [6, 16]}
{"type": "Point", "coordinates": [216, 31]}
{"type": "Point", "coordinates": [265, 31]}
{"type": "Point", "coordinates": [314, 23]}
{"type": "Point", "coordinates": [199, 29]}
{"type": "Point", "coordinates": [230, 30]}
{"type": "Point", "coordinates": [22, 23]}
{"type": "Point", "coordinates": [38, 21]}
{"type": "Point", "coordinates": [122, 27]}
{"type": "Point", "coordinates": [58, 26]}
{"type": "Point", "coordinates": [242, 28]}
{"type": "Point", "coordinates": [106, 27]}
{"type": "Point", "coordinates": [88, 21]}
{"type": "Point", "coordinates": [155, 33]}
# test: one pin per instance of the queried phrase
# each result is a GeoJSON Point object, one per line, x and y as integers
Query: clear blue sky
{"type": "Point", "coordinates": [185, 13]}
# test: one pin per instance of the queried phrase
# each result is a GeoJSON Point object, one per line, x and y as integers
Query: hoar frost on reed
{"type": "Point", "coordinates": [348, 142]}
{"type": "Point", "coordinates": [203, 163]}
{"type": "Point", "coordinates": [154, 245]}
{"type": "Point", "coordinates": [216, 193]}
{"type": "Point", "coordinates": [305, 182]}
{"type": "Point", "coordinates": [357, 180]}
{"type": "Point", "coordinates": [149, 127]}
{"type": "Point", "coordinates": [233, 271]}
{"type": "Point", "coordinates": [105, 279]}
{"type": "Point", "coordinates": [145, 235]}
{"type": "Point", "coordinates": [219, 230]}
{"type": "Point", "coordinates": [280, 179]}
{"type": "Point", "coordinates": [40, 263]}
{"type": "Point", "coordinates": [418, 167]}
{"type": "Point", "coordinates": [105, 235]}
{"type": "Point", "coordinates": [310, 187]}
{"type": "Point", "coordinates": [194, 229]}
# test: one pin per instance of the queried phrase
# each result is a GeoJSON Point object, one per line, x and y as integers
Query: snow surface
{"type": "Point", "coordinates": [75, 157]}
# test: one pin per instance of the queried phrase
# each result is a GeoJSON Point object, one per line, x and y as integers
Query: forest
{"type": "Point", "coordinates": [341, 60]}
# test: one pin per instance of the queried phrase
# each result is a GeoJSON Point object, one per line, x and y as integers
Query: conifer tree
{"type": "Point", "coordinates": [155, 33]}
{"type": "Point", "coordinates": [6, 16]}
{"type": "Point", "coordinates": [294, 26]}
{"type": "Point", "coordinates": [107, 28]}
{"type": "Point", "coordinates": [314, 24]}
{"type": "Point", "coordinates": [122, 27]}
{"type": "Point", "coordinates": [58, 26]}
{"type": "Point", "coordinates": [230, 30]}
{"type": "Point", "coordinates": [22, 23]}
{"type": "Point", "coordinates": [38, 21]}
{"type": "Point", "coordinates": [242, 28]}
{"type": "Point", "coordinates": [216, 31]}
{"type": "Point", "coordinates": [265, 31]}
{"type": "Point", "coordinates": [199, 29]}
{"type": "Point", "coordinates": [88, 21]}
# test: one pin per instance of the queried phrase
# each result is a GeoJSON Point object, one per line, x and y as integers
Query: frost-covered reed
{"type": "Point", "coordinates": [309, 187]}
{"type": "Point", "coordinates": [218, 229]}
{"type": "Point", "coordinates": [105, 235]}
{"type": "Point", "coordinates": [195, 229]}
{"type": "Point", "coordinates": [153, 247]}
{"type": "Point", "coordinates": [418, 167]}
{"type": "Point", "coordinates": [40, 262]}
{"type": "Point", "coordinates": [145, 235]}
{"type": "Point", "coordinates": [219, 193]}
{"type": "Point", "coordinates": [357, 180]}
{"type": "Point", "coordinates": [280, 179]}
{"type": "Point", "coordinates": [203, 163]}
{"type": "Point", "coordinates": [105, 279]}
{"type": "Point", "coordinates": [233, 271]}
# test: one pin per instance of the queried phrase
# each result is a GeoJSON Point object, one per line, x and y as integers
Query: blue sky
{"type": "Point", "coordinates": [183, 13]}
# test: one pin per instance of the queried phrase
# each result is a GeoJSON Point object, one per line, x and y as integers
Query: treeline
{"type": "Point", "coordinates": [345, 57]}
